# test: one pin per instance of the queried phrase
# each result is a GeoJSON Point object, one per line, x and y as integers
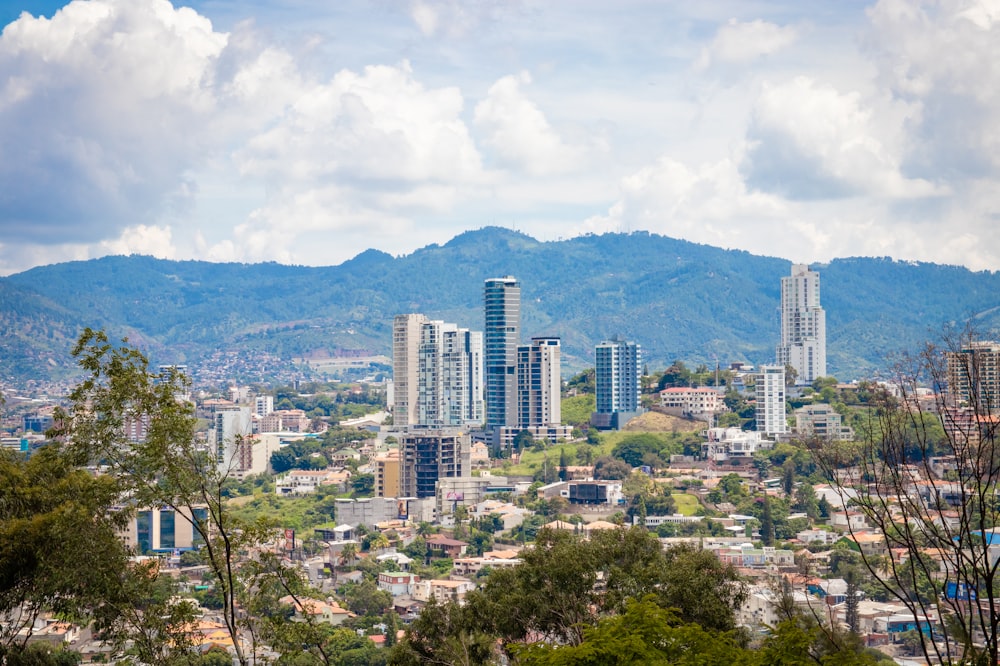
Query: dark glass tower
{"type": "Point", "coordinates": [502, 301]}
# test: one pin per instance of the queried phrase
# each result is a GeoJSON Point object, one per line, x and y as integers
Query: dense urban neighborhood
{"type": "Point", "coordinates": [477, 507]}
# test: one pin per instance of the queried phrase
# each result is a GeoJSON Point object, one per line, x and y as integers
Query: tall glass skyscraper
{"type": "Point", "coordinates": [502, 305]}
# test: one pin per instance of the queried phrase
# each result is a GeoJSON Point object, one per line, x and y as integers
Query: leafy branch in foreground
{"type": "Point", "coordinates": [169, 468]}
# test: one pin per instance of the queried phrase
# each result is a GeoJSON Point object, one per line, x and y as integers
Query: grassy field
{"type": "Point", "coordinates": [686, 504]}
{"type": "Point", "coordinates": [532, 461]}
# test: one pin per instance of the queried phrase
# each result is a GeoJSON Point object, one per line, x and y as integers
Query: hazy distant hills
{"type": "Point", "coordinates": [680, 300]}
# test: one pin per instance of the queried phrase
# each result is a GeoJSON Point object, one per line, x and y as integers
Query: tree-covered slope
{"type": "Point", "coordinates": [678, 299]}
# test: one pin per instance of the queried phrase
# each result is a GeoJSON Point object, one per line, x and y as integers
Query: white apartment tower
{"type": "Point", "coordinates": [231, 428]}
{"type": "Point", "coordinates": [438, 373]}
{"type": "Point", "coordinates": [450, 372]}
{"type": "Point", "coordinates": [263, 405]}
{"type": "Point", "coordinates": [803, 325]}
{"type": "Point", "coordinates": [501, 336]}
{"type": "Point", "coordinates": [405, 375]}
{"type": "Point", "coordinates": [538, 383]}
{"type": "Point", "coordinates": [974, 376]}
{"type": "Point", "coordinates": [770, 392]}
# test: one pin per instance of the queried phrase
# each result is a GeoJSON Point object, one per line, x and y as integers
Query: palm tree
{"type": "Point", "coordinates": [378, 542]}
{"type": "Point", "coordinates": [348, 553]}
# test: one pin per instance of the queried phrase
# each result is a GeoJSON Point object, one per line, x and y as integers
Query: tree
{"type": "Point", "coordinates": [167, 469]}
{"type": "Point", "coordinates": [363, 485]}
{"type": "Point", "coordinates": [378, 541]}
{"type": "Point", "coordinates": [805, 500]}
{"type": "Point", "coordinates": [283, 460]}
{"type": "Point", "coordinates": [553, 594]}
{"type": "Point", "coordinates": [767, 523]}
{"type": "Point", "coordinates": [39, 654]}
{"type": "Point", "coordinates": [888, 477]}
{"type": "Point", "coordinates": [633, 448]}
{"type": "Point", "coordinates": [348, 553]}
{"type": "Point", "coordinates": [60, 552]}
{"type": "Point", "coordinates": [607, 468]}
{"type": "Point", "coordinates": [522, 441]}
{"type": "Point", "coordinates": [365, 598]}
{"type": "Point", "coordinates": [644, 634]}
{"type": "Point", "coordinates": [444, 634]}
{"type": "Point", "coordinates": [788, 477]}
{"type": "Point", "coordinates": [676, 375]}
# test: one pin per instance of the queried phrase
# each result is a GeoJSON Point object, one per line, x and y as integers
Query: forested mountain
{"type": "Point", "coordinates": [680, 300]}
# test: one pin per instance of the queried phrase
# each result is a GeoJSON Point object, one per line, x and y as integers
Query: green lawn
{"type": "Point", "coordinates": [531, 461]}
{"type": "Point", "coordinates": [686, 504]}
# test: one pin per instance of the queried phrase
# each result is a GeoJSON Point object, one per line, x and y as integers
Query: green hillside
{"type": "Point", "coordinates": [678, 299]}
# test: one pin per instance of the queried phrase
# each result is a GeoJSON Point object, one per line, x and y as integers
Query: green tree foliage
{"type": "Point", "coordinates": [662, 504]}
{"type": "Point", "coordinates": [365, 598]}
{"type": "Point", "coordinates": [805, 500]}
{"type": "Point", "coordinates": [38, 654]}
{"type": "Point", "coordinates": [633, 449]}
{"type": "Point", "coordinates": [59, 550]}
{"type": "Point", "coordinates": [363, 485]}
{"type": "Point", "coordinates": [676, 375]}
{"type": "Point", "coordinates": [767, 523]}
{"type": "Point", "coordinates": [283, 460]}
{"type": "Point", "coordinates": [554, 592]}
{"type": "Point", "coordinates": [582, 382]}
{"type": "Point", "coordinates": [444, 634]}
{"type": "Point", "coordinates": [645, 633]}
{"type": "Point", "coordinates": [167, 469]}
{"type": "Point", "coordinates": [608, 468]}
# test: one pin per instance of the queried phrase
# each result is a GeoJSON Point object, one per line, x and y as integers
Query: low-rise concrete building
{"type": "Point", "coordinates": [699, 403]}
{"type": "Point", "coordinates": [397, 583]}
{"type": "Point", "coordinates": [821, 420]}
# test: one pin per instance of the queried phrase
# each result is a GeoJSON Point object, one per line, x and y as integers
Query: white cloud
{"type": "Point", "coordinates": [810, 141]}
{"type": "Point", "coordinates": [739, 42]}
{"type": "Point", "coordinates": [381, 125]}
{"type": "Point", "coordinates": [709, 204]}
{"type": "Point", "coordinates": [114, 109]}
{"type": "Point", "coordinates": [455, 19]}
{"type": "Point", "coordinates": [425, 16]}
{"type": "Point", "coordinates": [141, 239]}
{"type": "Point", "coordinates": [99, 115]}
{"type": "Point", "coordinates": [518, 132]}
{"type": "Point", "coordinates": [360, 152]}
{"type": "Point", "coordinates": [944, 57]}
{"type": "Point", "coordinates": [133, 125]}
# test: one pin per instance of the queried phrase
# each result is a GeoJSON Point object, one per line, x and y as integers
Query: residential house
{"type": "Point", "coordinates": [397, 583]}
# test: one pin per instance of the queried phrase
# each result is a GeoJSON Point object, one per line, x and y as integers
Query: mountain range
{"type": "Point", "coordinates": [679, 300]}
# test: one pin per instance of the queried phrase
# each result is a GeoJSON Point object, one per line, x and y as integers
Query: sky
{"type": "Point", "coordinates": [307, 131]}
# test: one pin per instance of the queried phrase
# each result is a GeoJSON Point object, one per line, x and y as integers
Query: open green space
{"type": "Point", "coordinates": [686, 504]}
{"type": "Point", "coordinates": [532, 460]}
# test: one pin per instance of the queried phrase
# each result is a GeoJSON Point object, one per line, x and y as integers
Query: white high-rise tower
{"type": "Point", "coordinates": [770, 393]}
{"type": "Point", "coordinates": [538, 383]}
{"type": "Point", "coordinates": [438, 373]}
{"type": "Point", "coordinates": [803, 325]}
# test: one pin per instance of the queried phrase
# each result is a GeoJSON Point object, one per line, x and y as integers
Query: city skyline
{"type": "Point", "coordinates": [307, 133]}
